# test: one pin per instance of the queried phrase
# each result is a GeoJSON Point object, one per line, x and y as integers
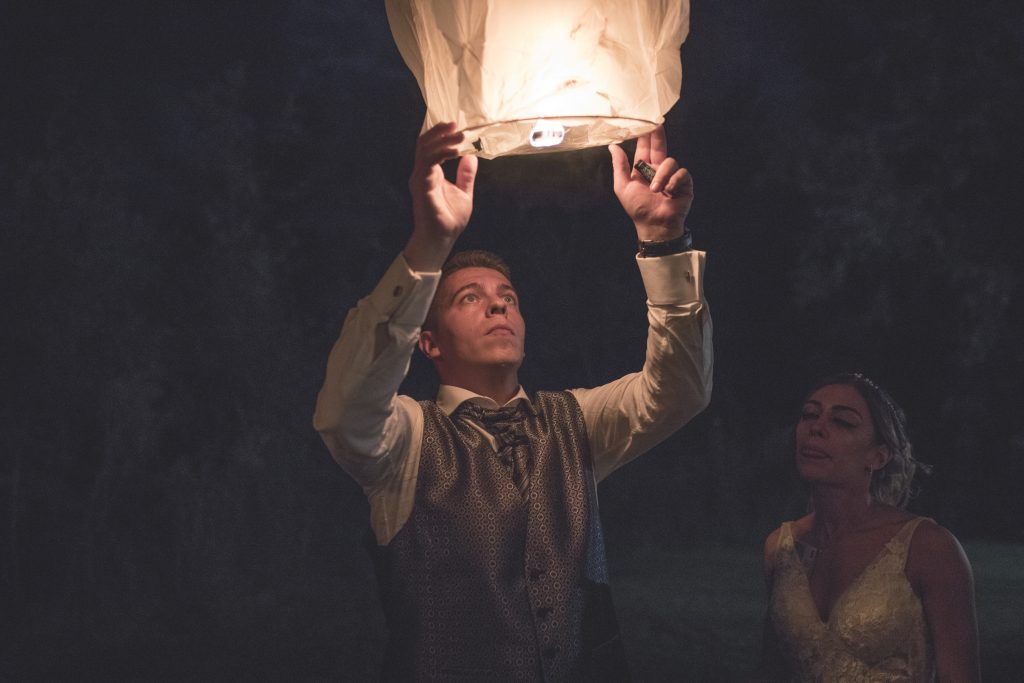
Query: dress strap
{"type": "Point", "coordinates": [900, 543]}
{"type": "Point", "coordinates": [785, 539]}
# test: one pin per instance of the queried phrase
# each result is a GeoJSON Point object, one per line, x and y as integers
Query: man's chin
{"type": "Point", "coordinates": [510, 361]}
{"type": "Point", "coordinates": [504, 355]}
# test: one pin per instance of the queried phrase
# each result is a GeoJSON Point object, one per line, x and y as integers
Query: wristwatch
{"type": "Point", "coordinates": [648, 248]}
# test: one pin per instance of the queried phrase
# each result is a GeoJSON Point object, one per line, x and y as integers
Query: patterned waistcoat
{"type": "Point", "coordinates": [485, 584]}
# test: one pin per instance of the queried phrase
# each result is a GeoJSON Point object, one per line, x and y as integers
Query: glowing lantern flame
{"type": "Point", "coordinates": [546, 134]}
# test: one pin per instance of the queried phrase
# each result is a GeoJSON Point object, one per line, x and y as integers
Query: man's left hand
{"type": "Point", "coordinates": [658, 210]}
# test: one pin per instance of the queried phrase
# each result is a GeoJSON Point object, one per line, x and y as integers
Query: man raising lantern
{"type": "Point", "coordinates": [483, 502]}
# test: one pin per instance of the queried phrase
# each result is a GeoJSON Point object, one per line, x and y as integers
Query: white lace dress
{"type": "Point", "coordinates": [876, 630]}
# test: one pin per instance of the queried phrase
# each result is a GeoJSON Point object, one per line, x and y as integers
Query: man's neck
{"type": "Point", "coordinates": [500, 387]}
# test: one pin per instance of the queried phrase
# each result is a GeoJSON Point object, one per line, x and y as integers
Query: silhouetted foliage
{"type": "Point", "coordinates": [193, 195]}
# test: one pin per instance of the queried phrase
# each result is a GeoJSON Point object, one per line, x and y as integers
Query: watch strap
{"type": "Point", "coordinates": [650, 248]}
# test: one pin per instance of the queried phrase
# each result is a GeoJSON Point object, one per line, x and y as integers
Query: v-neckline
{"type": "Point", "coordinates": [853, 582]}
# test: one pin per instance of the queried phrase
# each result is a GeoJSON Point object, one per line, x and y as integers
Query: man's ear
{"type": "Point", "coordinates": [428, 345]}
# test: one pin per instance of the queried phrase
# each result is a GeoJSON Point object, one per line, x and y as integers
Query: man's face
{"type": "Point", "coordinates": [478, 322]}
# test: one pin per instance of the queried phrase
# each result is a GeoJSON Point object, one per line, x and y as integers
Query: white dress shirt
{"type": "Point", "coordinates": [375, 434]}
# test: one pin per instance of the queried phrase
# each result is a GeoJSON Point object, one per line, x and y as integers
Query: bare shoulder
{"type": "Point", "coordinates": [802, 526]}
{"type": "Point", "coordinates": [771, 542]}
{"type": "Point", "coordinates": [935, 553]}
{"type": "Point", "coordinates": [930, 537]}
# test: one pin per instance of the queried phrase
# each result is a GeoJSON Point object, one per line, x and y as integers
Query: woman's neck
{"type": "Point", "coordinates": [838, 513]}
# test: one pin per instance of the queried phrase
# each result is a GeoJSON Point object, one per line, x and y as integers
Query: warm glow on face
{"type": "Point", "coordinates": [480, 323]}
{"type": "Point", "coordinates": [546, 134]}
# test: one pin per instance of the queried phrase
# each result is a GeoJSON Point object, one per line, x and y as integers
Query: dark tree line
{"type": "Point", "coordinates": [192, 197]}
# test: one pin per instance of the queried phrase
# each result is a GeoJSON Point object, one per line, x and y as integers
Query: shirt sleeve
{"type": "Point", "coordinates": [369, 429]}
{"type": "Point", "coordinates": [632, 414]}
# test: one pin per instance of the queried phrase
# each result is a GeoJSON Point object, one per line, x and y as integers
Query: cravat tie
{"type": "Point", "coordinates": [506, 426]}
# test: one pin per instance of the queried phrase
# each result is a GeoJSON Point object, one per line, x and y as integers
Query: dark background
{"type": "Point", "coordinates": [193, 194]}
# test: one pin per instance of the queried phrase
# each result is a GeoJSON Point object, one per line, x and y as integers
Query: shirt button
{"type": "Point", "coordinates": [543, 612]}
{"type": "Point", "coordinates": [397, 291]}
{"type": "Point", "coordinates": [550, 652]}
{"type": "Point", "coordinates": [535, 574]}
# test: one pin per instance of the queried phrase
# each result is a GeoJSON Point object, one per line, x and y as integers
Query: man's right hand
{"type": "Point", "coordinates": [441, 209]}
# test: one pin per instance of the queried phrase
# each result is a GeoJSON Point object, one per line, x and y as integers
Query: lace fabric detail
{"type": "Point", "coordinates": [876, 630]}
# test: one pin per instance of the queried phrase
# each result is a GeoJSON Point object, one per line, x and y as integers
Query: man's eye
{"type": "Point", "coordinates": [808, 416]}
{"type": "Point", "coordinates": [509, 299]}
{"type": "Point", "coordinates": [844, 423]}
{"type": "Point", "coordinates": [470, 298]}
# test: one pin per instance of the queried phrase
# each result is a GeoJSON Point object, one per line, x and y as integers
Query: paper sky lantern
{"type": "Point", "coordinates": [528, 76]}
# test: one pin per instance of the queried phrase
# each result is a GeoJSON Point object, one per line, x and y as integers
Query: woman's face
{"type": "Point", "coordinates": [835, 439]}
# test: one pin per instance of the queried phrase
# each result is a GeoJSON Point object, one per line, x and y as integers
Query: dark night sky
{"type": "Point", "coordinates": [193, 194]}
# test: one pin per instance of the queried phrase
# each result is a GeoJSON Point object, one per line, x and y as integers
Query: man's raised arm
{"type": "Point", "coordinates": [363, 422]}
{"type": "Point", "coordinates": [630, 415]}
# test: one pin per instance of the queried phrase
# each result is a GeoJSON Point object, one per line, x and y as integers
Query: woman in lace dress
{"type": "Point", "coordinates": [860, 589]}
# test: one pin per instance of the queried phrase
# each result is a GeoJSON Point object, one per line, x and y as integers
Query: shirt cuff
{"type": "Point", "coordinates": [404, 295]}
{"type": "Point", "coordinates": [675, 279]}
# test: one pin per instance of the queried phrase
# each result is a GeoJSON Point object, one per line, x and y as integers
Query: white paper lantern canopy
{"type": "Point", "coordinates": [529, 76]}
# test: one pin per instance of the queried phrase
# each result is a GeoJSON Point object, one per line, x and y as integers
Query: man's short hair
{"type": "Point", "coordinates": [471, 258]}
